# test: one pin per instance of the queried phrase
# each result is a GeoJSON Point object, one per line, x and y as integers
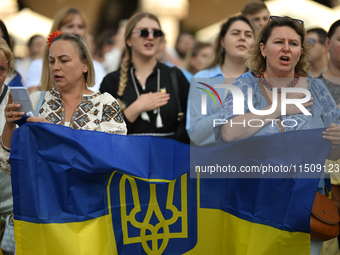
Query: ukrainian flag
{"type": "Point", "coordinates": [84, 192]}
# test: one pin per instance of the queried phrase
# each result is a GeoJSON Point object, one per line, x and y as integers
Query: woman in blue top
{"type": "Point", "coordinates": [231, 46]}
{"type": "Point", "coordinates": [279, 59]}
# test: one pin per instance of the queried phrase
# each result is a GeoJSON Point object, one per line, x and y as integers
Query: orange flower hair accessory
{"type": "Point", "coordinates": [53, 35]}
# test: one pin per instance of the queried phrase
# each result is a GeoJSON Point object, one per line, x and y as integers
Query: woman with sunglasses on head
{"type": "Point", "coordinates": [231, 47]}
{"type": "Point", "coordinates": [143, 86]}
{"type": "Point", "coordinates": [278, 58]}
{"type": "Point", "coordinates": [69, 103]}
{"type": "Point", "coordinates": [69, 20]}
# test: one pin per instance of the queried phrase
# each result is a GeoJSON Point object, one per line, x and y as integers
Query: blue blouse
{"type": "Point", "coordinates": [324, 109]}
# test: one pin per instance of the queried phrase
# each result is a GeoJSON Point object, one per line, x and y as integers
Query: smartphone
{"type": "Point", "coordinates": [21, 96]}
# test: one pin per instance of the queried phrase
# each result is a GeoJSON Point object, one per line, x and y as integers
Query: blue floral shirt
{"type": "Point", "coordinates": [324, 109]}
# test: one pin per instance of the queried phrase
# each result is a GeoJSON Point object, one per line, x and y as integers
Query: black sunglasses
{"type": "Point", "coordinates": [145, 33]}
{"type": "Point", "coordinates": [278, 18]}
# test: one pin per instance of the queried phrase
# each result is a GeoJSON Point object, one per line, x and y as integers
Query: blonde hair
{"type": "Point", "coordinates": [219, 52]}
{"type": "Point", "coordinates": [84, 54]}
{"type": "Point", "coordinates": [257, 63]}
{"type": "Point", "coordinates": [6, 54]}
{"type": "Point", "coordinates": [124, 68]}
{"type": "Point", "coordinates": [60, 19]}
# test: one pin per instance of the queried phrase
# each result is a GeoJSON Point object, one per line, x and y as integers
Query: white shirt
{"type": "Point", "coordinates": [112, 60]}
{"type": "Point", "coordinates": [22, 66]}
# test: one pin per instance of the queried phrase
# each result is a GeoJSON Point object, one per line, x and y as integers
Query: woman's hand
{"type": "Point", "coordinates": [11, 114]}
{"type": "Point", "coordinates": [146, 102]}
{"type": "Point", "coordinates": [152, 100]}
{"type": "Point", "coordinates": [333, 134]}
{"type": "Point", "coordinates": [37, 119]}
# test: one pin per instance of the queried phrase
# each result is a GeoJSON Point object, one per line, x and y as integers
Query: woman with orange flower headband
{"type": "Point", "coordinates": [71, 67]}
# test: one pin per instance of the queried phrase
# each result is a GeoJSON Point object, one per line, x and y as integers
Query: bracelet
{"type": "Point", "coordinates": [335, 146]}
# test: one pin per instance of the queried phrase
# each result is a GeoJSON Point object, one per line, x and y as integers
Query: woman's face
{"type": "Point", "coordinates": [334, 48]}
{"type": "Point", "coordinates": [75, 26]}
{"type": "Point", "coordinates": [144, 46]}
{"type": "Point", "coordinates": [66, 68]}
{"type": "Point", "coordinates": [3, 69]}
{"type": "Point", "coordinates": [282, 52]}
{"type": "Point", "coordinates": [237, 40]}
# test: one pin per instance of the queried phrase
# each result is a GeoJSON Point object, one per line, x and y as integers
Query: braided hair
{"type": "Point", "coordinates": [124, 67]}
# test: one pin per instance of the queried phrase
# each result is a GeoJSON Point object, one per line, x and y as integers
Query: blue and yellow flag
{"type": "Point", "coordinates": [83, 192]}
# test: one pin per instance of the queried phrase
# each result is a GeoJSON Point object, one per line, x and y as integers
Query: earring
{"type": "Point", "coordinates": [222, 50]}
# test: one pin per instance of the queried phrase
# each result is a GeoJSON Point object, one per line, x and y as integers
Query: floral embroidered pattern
{"type": "Point", "coordinates": [112, 112]}
{"type": "Point", "coordinates": [87, 116]}
{"type": "Point", "coordinates": [86, 106]}
{"type": "Point", "coordinates": [86, 98]}
{"type": "Point", "coordinates": [82, 120]}
{"type": "Point", "coordinates": [88, 111]}
{"type": "Point", "coordinates": [324, 110]}
{"type": "Point", "coordinates": [52, 117]}
{"type": "Point", "coordinates": [53, 104]}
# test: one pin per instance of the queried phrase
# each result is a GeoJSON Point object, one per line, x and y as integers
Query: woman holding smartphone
{"type": "Point", "coordinates": [143, 85]}
{"type": "Point", "coordinates": [70, 102]}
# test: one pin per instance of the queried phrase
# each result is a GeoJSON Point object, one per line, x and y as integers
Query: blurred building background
{"type": "Point", "coordinates": [201, 17]}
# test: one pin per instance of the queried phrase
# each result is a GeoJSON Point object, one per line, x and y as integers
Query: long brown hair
{"type": "Point", "coordinates": [219, 52]}
{"type": "Point", "coordinates": [124, 67]}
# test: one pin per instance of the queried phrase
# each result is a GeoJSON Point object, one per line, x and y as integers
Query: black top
{"type": "Point", "coordinates": [168, 112]}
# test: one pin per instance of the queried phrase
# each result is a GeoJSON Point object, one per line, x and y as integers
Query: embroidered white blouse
{"type": "Point", "coordinates": [97, 112]}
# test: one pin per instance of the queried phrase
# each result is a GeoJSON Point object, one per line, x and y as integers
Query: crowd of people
{"type": "Point", "coordinates": [126, 82]}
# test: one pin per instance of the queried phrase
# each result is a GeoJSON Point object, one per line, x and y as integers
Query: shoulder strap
{"type": "Point", "coordinates": [41, 99]}
{"type": "Point", "coordinates": [3, 93]}
{"type": "Point", "coordinates": [174, 83]}
{"type": "Point", "coordinates": [269, 103]}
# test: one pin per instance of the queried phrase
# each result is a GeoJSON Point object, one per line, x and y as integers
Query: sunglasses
{"type": "Point", "coordinates": [145, 33]}
{"type": "Point", "coordinates": [278, 18]}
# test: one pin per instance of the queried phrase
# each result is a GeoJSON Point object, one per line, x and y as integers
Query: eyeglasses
{"type": "Point", "coordinates": [145, 33]}
{"type": "Point", "coordinates": [311, 41]}
{"type": "Point", "coordinates": [278, 18]}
